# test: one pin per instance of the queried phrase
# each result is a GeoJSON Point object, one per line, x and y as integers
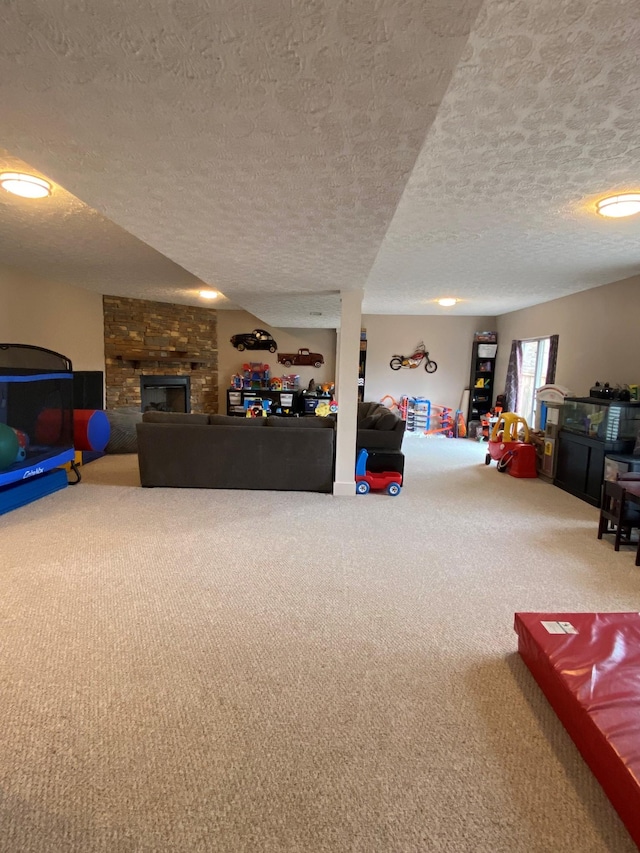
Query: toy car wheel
{"type": "Point", "coordinates": [318, 364]}
{"type": "Point", "coordinates": [487, 459]}
{"type": "Point", "coordinates": [393, 489]}
{"type": "Point", "coordinates": [272, 348]}
{"type": "Point", "coordinates": [287, 362]}
{"type": "Point", "coordinates": [362, 487]}
{"type": "Point", "coordinates": [395, 363]}
{"type": "Point", "coordinates": [240, 347]}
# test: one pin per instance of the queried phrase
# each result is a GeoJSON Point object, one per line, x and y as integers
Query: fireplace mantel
{"type": "Point", "coordinates": [176, 356]}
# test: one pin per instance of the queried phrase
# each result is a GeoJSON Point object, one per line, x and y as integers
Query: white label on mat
{"type": "Point", "coordinates": [559, 627]}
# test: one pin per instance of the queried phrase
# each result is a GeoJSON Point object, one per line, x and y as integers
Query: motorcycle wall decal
{"type": "Point", "coordinates": [419, 356]}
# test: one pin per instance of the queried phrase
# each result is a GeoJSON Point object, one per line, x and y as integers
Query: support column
{"type": "Point", "coordinates": [348, 353]}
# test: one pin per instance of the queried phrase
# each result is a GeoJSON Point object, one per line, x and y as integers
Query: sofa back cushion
{"type": "Point", "coordinates": [377, 417]}
{"type": "Point", "coordinates": [310, 422]}
{"type": "Point", "coordinates": [366, 409]}
{"type": "Point", "coordinates": [366, 422]}
{"type": "Point", "coordinates": [225, 457]}
{"type": "Point", "coordinates": [153, 417]}
{"type": "Point", "coordinates": [230, 420]}
{"type": "Point", "coordinates": [386, 420]}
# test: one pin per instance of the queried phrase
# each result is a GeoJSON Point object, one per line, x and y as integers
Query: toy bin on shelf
{"type": "Point", "coordinates": [36, 429]}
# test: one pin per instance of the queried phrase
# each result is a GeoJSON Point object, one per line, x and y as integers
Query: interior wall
{"type": "Point", "coordinates": [599, 335]}
{"type": "Point", "coordinates": [288, 340]}
{"type": "Point", "coordinates": [449, 342]}
{"type": "Point", "coordinates": [52, 315]}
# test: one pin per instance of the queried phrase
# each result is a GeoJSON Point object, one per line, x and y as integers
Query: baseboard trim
{"type": "Point", "coordinates": [344, 489]}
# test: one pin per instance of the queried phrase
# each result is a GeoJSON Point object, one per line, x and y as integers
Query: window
{"type": "Point", "coordinates": [533, 374]}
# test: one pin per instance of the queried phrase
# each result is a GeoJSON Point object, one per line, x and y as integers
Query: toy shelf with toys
{"type": "Point", "coordinates": [253, 388]}
{"type": "Point", "coordinates": [286, 403]}
{"type": "Point", "coordinates": [255, 393]}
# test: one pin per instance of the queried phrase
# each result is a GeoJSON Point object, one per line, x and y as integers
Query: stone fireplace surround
{"type": "Point", "coordinates": [161, 339]}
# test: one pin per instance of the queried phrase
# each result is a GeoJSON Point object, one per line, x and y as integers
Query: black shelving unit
{"type": "Point", "coordinates": [362, 367]}
{"type": "Point", "coordinates": [482, 377]}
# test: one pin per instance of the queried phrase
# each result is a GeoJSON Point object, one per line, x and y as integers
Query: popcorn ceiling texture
{"type": "Point", "coordinates": [542, 113]}
{"type": "Point", "coordinates": [62, 239]}
{"type": "Point", "coordinates": [278, 150]}
{"type": "Point", "coordinates": [263, 147]}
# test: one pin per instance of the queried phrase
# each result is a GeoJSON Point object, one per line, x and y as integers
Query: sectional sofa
{"type": "Point", "coordinates": [221, 452]}
{"type": "Point", "coordinates": [378, 428]}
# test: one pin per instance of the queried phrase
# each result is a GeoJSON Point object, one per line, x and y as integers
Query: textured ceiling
{"type": "Point", "coordinates": [64, 240]}
{"type": "Point", "coordinates": [541, 118]}
{"type": "Point", "coordinates": [282, 152]}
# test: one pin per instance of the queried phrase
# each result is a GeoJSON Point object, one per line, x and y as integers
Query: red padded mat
{"type": "Point", "coordinates": [592, 680]}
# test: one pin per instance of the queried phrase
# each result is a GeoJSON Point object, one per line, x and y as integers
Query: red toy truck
{"type": "Point", "coordinates": [389, 481]}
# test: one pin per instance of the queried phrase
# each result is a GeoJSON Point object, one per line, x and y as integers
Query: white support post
{"type": "Point", "coordinates": [348, 354]}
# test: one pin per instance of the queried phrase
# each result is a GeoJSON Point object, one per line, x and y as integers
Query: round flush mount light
{"type": "Point", "coordinates": [209, 294]}
{"type": "Point", "coordinates": [27, 186]}
{"type": "Point", "coordinates": [626, 204]}
{"type": "Point", "coordinates": [447, 301]}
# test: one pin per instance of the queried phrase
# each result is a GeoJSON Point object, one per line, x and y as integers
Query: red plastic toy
{"type": "Point", "coordinates": [389, 481]}
{"type": "Point", "coordinates": [516, 457]}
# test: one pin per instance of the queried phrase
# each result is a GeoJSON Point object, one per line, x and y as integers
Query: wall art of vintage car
{"type": "Point", "coordinates": [303, 356]}
{"type": "Point", "coordinates": [258, 339]}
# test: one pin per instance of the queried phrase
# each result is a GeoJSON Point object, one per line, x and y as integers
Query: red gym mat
{"type": "Point", "coordinates": [588, 666]}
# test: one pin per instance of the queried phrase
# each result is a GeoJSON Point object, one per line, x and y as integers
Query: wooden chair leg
{"type": "Point", "coordinates": [618, 536]}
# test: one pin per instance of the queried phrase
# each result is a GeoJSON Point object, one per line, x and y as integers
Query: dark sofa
{"type": "Point", "coordinates": [219, 452]}
{"type": "Point", "coordinates": [378, 428]}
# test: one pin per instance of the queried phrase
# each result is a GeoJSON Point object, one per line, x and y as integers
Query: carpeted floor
{"type": "Point", "coordinates": [188, 671]}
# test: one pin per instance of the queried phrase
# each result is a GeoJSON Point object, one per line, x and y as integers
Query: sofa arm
{"type": "Point", "coordinates": [380, 439]}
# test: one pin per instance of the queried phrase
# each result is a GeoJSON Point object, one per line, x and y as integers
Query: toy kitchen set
{"type": "Point", "coordinates": [597, 439]}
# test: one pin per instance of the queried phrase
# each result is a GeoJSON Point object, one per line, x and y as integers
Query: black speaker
{"type": "Point", "coordinates": [88, 389]}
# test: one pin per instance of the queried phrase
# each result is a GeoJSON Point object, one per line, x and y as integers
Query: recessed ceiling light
{"type": "Point", "coordinates": [209, 294]}
{"type": "Point", "coordinates": [447, 301]}
{"type": "Point", "coordinates": [619, 205]}
{"type": "Point", "coordinates": [27, 186]}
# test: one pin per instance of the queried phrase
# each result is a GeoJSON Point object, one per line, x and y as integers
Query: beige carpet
{"type": "Point", "coordinates": [186, 671]}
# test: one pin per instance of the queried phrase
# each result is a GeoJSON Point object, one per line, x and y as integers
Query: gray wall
{"type": "Point", "coordinates": [598, 328]}
{"type": "Point", "coordinates": [56, 316]}
{"type": "Point", "coordinates": [449, 341]}
{"type": "Point", "coordinates": [599, 335]}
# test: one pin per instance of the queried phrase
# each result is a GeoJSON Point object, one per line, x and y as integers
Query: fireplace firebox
{"type": "Point", "coordinates": [165, 394]}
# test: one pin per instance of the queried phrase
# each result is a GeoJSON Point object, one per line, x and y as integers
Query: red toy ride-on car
{"type": "Point", "coordinates": [389, 481]}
